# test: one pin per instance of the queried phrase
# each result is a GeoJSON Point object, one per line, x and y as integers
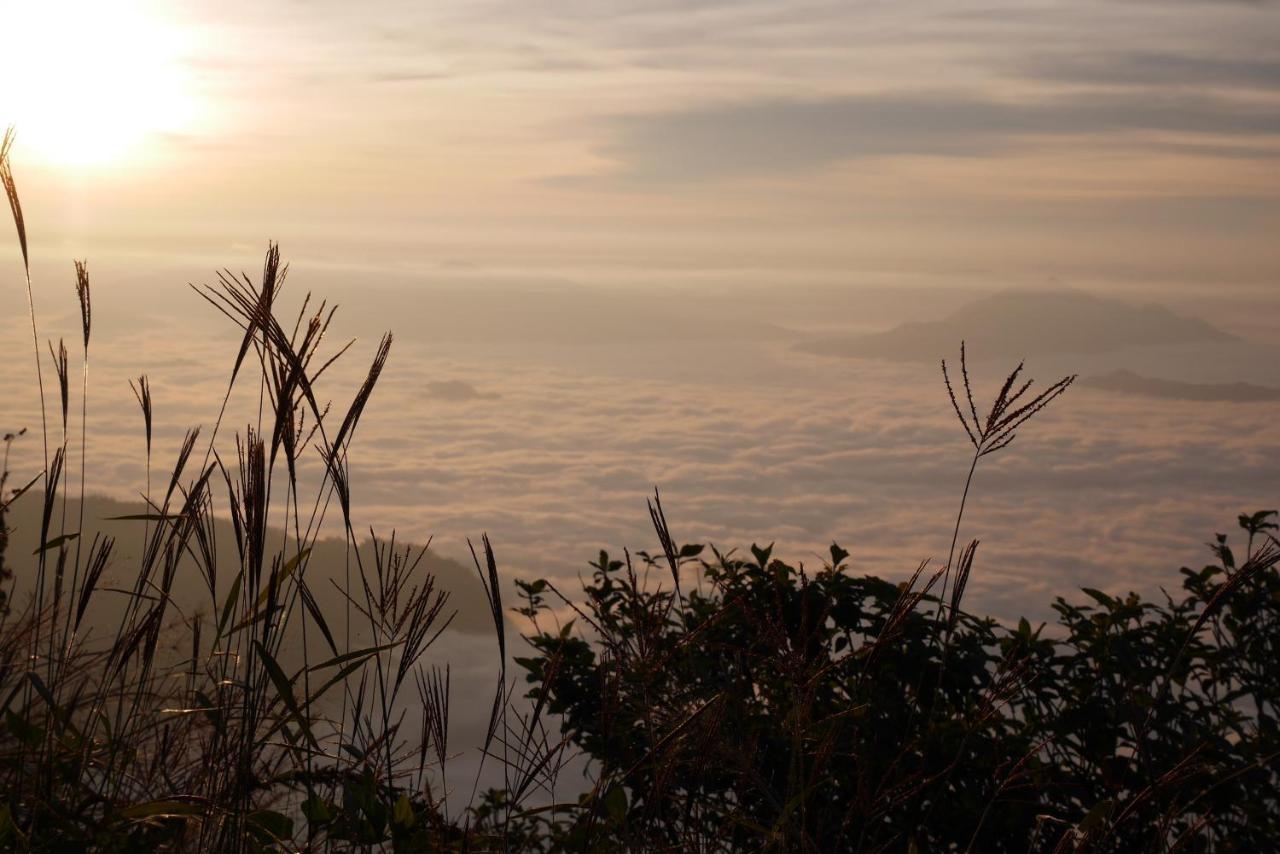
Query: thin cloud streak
{"type": "Point", "coordinates": [769, 137]}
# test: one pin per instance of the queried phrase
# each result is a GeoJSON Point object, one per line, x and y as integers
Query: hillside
{"type": "Point", "coordinates": [1016, 324]}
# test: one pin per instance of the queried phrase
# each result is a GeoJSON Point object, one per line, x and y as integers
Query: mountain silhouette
{"type": "Point", "coordinates": [1128, 382]}
{"type": "Point", "coordinates": [1013, 324]}
{"type": "Point", "coordinates": [326, 569]}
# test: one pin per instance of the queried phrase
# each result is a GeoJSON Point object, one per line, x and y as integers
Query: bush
{"type": "Point", "coordinates": [774, 708]}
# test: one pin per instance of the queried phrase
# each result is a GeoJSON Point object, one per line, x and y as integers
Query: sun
{"type": "Point", "coordinates": [88, 82]}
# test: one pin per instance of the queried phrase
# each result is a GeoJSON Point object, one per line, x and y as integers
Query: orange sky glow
{"type": "Point", "coordinates": [660, 140]}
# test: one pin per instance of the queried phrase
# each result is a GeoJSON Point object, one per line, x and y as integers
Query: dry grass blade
{"type": "Point", "coordinates": [991, 434]}
{"type": "Point", "coordinates": [493, 595]}
{"type": "Point", "coordinates": [434, 692]}
{"type": "Point", "coordinates": [50, 500]}
{"type": "Point", "coordinates": [15, 207]}
{"type": "Point", "coordinates": [60, 367]}
{"type": "Point", "coordinates": [955, 404]}
{"type": "Point", "coordinates": [996, 431]}
{"type": "Point", "coordinates": [11, 190]}
{"type": "Point", "coordinates": [142, 391]}
{"type": "Point", "coordinates": [96, 564]}
{"type": "Point", "coordinates": [82, 294]}
{"type": "Point", "coordinates": [663, 531]}
{"type": "Point", "coordinates": [361, 398]}
{"type": "Point", "coordinates": [963, 569]}
{"type": "Point", "coordinates": [908, 600]}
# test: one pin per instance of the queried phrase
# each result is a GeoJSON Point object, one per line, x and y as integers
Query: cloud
{"type": "Point", "coordinates": [749, 442]}
{"type": "Point", "coordinates": [772, 136]}
{"type": "Point", "coordinates": [1157, 69]}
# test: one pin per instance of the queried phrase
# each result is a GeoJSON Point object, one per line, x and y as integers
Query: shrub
{"type": "Point", "coordinates": [783, 709]}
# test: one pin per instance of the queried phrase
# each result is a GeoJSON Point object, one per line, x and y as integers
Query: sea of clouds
{"type": "Point", "coordinates": [549, 434]}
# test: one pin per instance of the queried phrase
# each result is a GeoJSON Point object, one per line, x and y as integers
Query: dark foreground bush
{"type": "Point", "coordinates": [770, 707]}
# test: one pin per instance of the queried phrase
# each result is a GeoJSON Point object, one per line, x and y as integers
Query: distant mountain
{"type": "Point", "coordinates": [328, 563]}
{"type": "Point", "coordinates": [1013, 324]}
{"type": "Point", "coordinates": [457, 391]}
{"type": "Point", "coordinates": [1127, 382]}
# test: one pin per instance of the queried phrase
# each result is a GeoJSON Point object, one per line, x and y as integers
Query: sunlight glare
{"type": "Point", "coordinates": [88, 82]}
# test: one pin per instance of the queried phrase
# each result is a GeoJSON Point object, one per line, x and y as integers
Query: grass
{"type": "Point", "coordinates": [766, 707]}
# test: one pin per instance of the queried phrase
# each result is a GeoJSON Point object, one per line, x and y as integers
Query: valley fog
{"type": "Point", "coordinates": [544, 413]}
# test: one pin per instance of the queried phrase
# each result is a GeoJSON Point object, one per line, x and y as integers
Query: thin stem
{"type": "Point", "coordinates": [955, 535]}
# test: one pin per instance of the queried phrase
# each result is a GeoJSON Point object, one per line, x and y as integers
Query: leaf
{"type": "Point", "coordinates": [143, 517]}
{"type": "Point", "coordinates": [615, 803]}
{"type": "Point", "coordinates": [55, 542]}
{"type": "Point", "coordinates": [284, 689]}
{"type": "Point", "coordinates": [338, 677]}
{"type": "Point", "coordinates": [1098, 596]}
{"type": "Point", "coordinates": [351, 656]}
{"type": "Point", "coordinates": [18, 493]}
{"type": "Point", "coordinates": [23, 730]}
{"type": "Point", "coordinates": [402, 814]}
{"type": "Point", "coordinates": [1257, 522]}
{"type": "Point", "coordinates": [43, 690]}
{"type": "Point", "coordinates": [353, 661]}
{"type": "Point", "coordinates": [232, 595]}
{"type": "Point", "coordinates": [308, 602]}
{"type": "Point", "coordinates": [7, 826]}
{"type": "Point", "coordinates": [163, 809]}
{"type": "Point", "coordinates": [838, 555]}
{"type": "Point", "coordinates": [316, 810]}
{"type": "Point", "coordinates": [1096, 817]}
{"type": "Point", "coordinates": [277, 827]}
{"type": "Point", "coordinates": [285, 572]}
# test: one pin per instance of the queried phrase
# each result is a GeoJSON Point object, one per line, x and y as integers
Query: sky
{"type": "Point", "coordinates": [608, 234]}
{"type": "Point", "coordinates": [642, 142]}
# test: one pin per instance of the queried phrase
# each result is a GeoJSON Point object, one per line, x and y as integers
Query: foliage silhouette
{"type": "Point", "coordinates": [781, 709]}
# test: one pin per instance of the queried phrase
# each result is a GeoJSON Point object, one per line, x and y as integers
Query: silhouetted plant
{"type": "Point", "coordinates": [773, 709]}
